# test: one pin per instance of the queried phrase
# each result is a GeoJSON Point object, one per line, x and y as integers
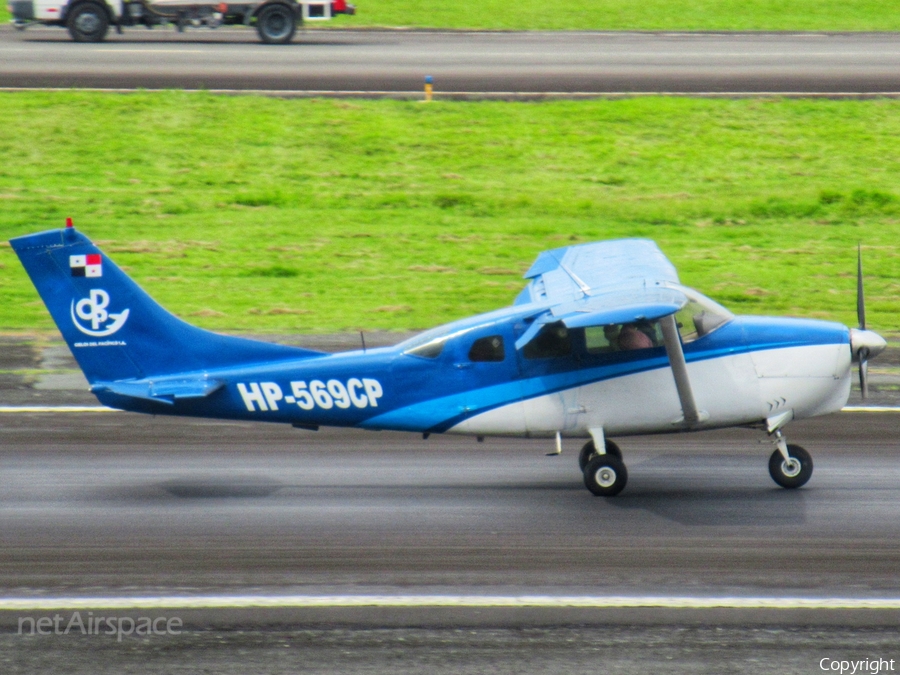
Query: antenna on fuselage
{"type": "Point", "coordinates": [363, 340]}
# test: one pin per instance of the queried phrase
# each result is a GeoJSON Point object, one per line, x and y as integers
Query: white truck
{"type": "Point", "coordinates": [89, 20]}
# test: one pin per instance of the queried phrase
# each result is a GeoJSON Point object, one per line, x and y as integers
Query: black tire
{"type": "Point", "coordinates": [88, 22]}
{"type": "Point", "coordinates": [276, 24]}
{"type": "Point", "coordinates": [589, 450]}
{"type": "Point", "coordinates": [788, 476]}
{"type": "Point", "coordinates": [605, 475]}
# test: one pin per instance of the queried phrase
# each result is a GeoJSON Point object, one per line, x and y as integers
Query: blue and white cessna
{"type": "Point", "coordinates": [603, 342]}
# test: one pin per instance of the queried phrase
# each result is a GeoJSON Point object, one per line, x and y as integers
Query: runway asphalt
{"type": "Point", "coordinates": [119, 501]}
{"type": "Point", "coordinates": [116, 505]}
{"type": "Point", "coordinates": [480, 63]}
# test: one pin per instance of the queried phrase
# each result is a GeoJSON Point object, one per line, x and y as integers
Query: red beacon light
{"type": "Point", "coordinates": [69, 222]}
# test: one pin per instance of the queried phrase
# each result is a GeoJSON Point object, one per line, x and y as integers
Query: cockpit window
{"type": "Point", "coordinates": [619, 337]}
{"type": "Point", "coordinates": [487, 349]}
{"type": "Point", "coordinates": [553, 340]}
{"type": "Point", "coordinates": [700, 317]}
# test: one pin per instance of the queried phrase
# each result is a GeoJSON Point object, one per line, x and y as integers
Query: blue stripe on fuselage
{"type": "Point", "coordinates": [741, 335]}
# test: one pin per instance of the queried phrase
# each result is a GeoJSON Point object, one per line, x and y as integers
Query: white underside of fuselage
{"type": "Point", "coordinates": [731, 390]}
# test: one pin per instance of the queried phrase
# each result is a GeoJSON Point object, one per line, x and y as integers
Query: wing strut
{"type": "Point", "coordinates": [692, 416]}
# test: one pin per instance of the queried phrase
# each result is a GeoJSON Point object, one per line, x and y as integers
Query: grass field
{"type": "Point", "coordinates": [624, 15]}
{"type": "Point", "coordinates": [255, 214]}
{"type": "Point", "coordinates": [851, 15]}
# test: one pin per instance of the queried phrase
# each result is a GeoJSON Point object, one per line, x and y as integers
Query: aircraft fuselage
{"type": "Point", "coordinates": [745, 371]}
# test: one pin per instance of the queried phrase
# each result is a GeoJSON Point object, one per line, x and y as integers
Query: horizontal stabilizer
{"type": "Point", "coordinates": [163, 390]}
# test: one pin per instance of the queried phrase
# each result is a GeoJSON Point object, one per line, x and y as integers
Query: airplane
{"type": "Point", "coordinates": [603, 342]}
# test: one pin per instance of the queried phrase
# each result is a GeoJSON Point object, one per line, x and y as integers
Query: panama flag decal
{"type": "Point", "coordinates": [86, 265]}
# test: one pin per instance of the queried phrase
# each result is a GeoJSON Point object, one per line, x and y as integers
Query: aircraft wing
{"type": "Point", "coordinates": [601, 283]}
{"type": "Point", "coordinates": [589, 270]}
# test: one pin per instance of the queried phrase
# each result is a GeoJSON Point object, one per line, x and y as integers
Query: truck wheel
{"type": "Point", "coordinates": [88, 22]}
{"type": "Point", "coordinates": [276, 24]}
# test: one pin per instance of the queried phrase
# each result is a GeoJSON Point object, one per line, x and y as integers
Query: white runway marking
{"type": "Point", "coordinates": [147, 50]}
{"type": "Point", "coordinates": [56, 409]}
{"type": "Point", "coordinates": [461, 601]}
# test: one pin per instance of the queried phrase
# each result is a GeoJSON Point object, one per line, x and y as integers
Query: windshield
{"type": "Point", "coordinates": [701, 316]}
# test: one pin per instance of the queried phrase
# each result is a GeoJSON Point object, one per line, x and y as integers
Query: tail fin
{"type": "Point", "coordinates": [115, 330]}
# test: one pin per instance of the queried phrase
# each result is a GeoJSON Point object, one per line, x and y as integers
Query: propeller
{"type": "Point", "coordinates": [864, 344]}
{"type": "Point", "coordinates": [863, 353]}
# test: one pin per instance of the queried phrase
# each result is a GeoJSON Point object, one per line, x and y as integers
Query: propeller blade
{"type": "Point", "coordinates": [860, 297]}
{"type": "Point", "coordinates": [864, 373]}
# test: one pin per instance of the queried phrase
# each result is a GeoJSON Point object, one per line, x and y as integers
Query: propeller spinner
{"type": "Point", "coordinates": [863, 343]}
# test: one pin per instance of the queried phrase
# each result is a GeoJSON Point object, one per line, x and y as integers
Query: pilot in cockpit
{"type": "Point", "coordinates": [631, 338]}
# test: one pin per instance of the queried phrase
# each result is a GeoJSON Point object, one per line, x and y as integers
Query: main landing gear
{"type": "Point", "coordinates": [589, 450]}
{"type": "Point", "coordinates": [604, 475]}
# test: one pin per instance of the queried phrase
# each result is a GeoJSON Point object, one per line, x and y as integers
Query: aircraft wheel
{"type": "Point", "coordinates": [88, 22]}
{"type": "Point", "coordinates": [605, 475]}
{"type": "Point", "coordinates": [589, 450]}
{"type": "Point", "coordinates": [276, 24]}
{"type": "Point", "coordinates": [794, 473]}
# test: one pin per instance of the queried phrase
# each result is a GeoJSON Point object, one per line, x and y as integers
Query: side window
{"type": "Point", "coordinates": [552, 341]}
{"type": "Point", "coordinates": [429, 350]}
{"type": "Point", "coordinates": [622, 337]}
{"type": "Point", "coordinates": [601, 339]}
{"type": "Point", "coordinates": [487, 349]}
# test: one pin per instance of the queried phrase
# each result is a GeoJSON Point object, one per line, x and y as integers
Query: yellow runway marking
{"type": "Point", "coordinates": [869, 409]}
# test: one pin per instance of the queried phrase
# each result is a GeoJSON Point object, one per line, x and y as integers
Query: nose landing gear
{"type": "Point", "coordinates": [790, 465]}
